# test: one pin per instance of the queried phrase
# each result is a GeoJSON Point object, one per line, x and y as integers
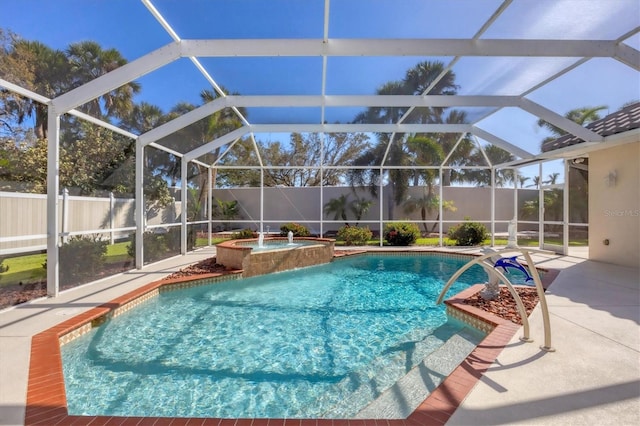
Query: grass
{"type": "Point", "coordinates": [24, 269]}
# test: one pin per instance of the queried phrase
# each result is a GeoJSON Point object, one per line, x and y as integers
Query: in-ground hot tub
{"type": "Point", "coordinates": [276, 254]}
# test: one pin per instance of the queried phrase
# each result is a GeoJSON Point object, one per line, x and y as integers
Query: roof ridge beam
{"type": "Point", "coordinates": [117, 78]}
{"type": "Point", "coordinates": [559, 121]}
{"type": "Point", "coordinates": [398, 47]}
{"type": "Point", "coordinates": [360, 127]}
{"type": "Point", "coordinates": [628, 56]}
{"type": "Point", "coordinates": [216, 143]}
{"type": "Point", "coordinates": [501, 143]}
{"type": "Point", "coordinates": [183, 121]}
{"type": "Point", "coordinates": [371, 100]}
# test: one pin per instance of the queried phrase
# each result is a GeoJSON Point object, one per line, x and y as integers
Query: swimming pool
{"type": "Point", "coordinates": [294, 344]}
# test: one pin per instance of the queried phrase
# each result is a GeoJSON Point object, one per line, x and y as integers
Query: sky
{"type": "Point", "coordinates": [128, 26]}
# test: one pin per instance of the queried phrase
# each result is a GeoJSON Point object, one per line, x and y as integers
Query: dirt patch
{"type": "Point", "coordinates": [504, 305]}
{"type": "Point", "coordinates": [15, 294]}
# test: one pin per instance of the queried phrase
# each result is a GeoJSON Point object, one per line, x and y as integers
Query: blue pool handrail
{"type": "Point", "coordinates": [521, 310]}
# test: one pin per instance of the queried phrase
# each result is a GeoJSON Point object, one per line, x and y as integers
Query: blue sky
{"type": "Point", "coordinates": [128, 26]}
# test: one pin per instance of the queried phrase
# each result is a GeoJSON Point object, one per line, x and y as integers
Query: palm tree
{"type": "Point", "coordinates": [198, 134]}
{"type": "Point", "coordinates": [359, 207]}
{"type": "Point", "coordinates": [536, 182]}
{"type": "Point", "coordinates": [50, 70]}
{"type": "Point", "coordinates": [416, 81]}
{"type": "Point", "coordinates": [522, 180]}
{"type": "Point", "coordinates": [338, 207]}
{"type": "Point", "coordinates": [496, 155]}
{"type": "Point", "coordinates": [582, 116]}
{"type": "Point", "coordinates": [463, 151]}
{"type": "Point", "coordinates": [88, 61]}
{"type": "Point", "coordinates": [552, 178]}
{"type": "Point", "coordinates": [428, 203]}
{"type": "Point", "coordinates": [142, 118]}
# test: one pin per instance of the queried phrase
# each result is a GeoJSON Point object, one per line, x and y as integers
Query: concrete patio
{"type": "Point", "coordinates": [593, 377]}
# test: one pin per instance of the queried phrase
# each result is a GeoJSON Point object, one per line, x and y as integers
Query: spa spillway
{"type": "Point", "coordinates": [275, 254]}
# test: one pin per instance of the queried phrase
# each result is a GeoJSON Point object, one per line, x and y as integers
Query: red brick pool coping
{"type": "Point", "coordinates": [47, 403]}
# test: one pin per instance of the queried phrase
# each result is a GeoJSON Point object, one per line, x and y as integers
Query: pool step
{"type": "Point", "coordinates": [381, 384]}
{"type": "Point", "coordinates": [401, 399]}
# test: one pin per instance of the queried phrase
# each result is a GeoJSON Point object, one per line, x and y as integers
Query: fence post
{"type": "Point", "coordinates": [65, 215]}
{"type": "Point", "coordinates": [112, 204]}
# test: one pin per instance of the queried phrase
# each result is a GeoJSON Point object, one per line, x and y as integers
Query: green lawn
{"type": "Point", "coordinates": [29, 268]}
{"type": "Point", "coordinates": [23, 269]}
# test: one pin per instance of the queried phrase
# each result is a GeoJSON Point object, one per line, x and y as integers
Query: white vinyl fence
{"type": "Point", "coordinates": [23, 219]}
{"type": "Point", "coordinates": [23, 216]}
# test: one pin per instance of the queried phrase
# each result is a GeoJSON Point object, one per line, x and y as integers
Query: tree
{"type": "Point", "coordinates": [48, 75]}
{"type": "Point", "coordinates": [582, 116]}
{"type": "Point", "coordinates": [293, 162]}
{"type": "Point", "coordinates": [463, 151]}
{"type": "Point", "coordinates": [536, 182]}
{"type": "Point", "coordinates": [359, 207]}
{"type": "Point", "coordinates": [522, 180]}
{"type": "Point", "coordinates": [88, 61]}
{"type": "Point", "coordinates": [420, 79]}
{"type": "Point", "coordinates": [142, 118]}
{"type": "Point", "coordinates": [552, 178]}
{"type": "Point", "coordinates": [340, 206]}
{"type": "Point", "coordinates": [17, 69]}
{"type": "Point", "coordinates": [337, 207]}
{"type": "Point", "coordinates": [428, 203]}
{"type": "Point", "coordinates": [496, 155]}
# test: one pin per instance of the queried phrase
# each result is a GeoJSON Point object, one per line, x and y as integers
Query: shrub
{"type": "Point", "coordinates": [81, 258]}
{"type": "Point", "coordinates": [3, 268]}
{"type": "Point", "coordinates": [468, 233]}
{"type": "Point", "coordinates": [297, 229]}
{"type": "Point", "coordinates": [154, 245]}
{"type": "Point", "coordinates": [354, 235]}
{"type": "Point", "coordinates": [401, 233]}
{"type": "Point", "coordinates": [243, 234]}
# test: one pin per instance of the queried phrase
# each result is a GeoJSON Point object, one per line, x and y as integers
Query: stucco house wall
{"type": "Point", "coordinates": [614, 205]}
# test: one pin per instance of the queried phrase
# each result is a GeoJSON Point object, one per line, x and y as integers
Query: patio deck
{"type": "Point", "coordinates": [592, 378]}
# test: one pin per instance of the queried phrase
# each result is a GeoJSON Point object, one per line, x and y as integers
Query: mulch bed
{"type": "Point", "coordinates": [504, 305]}
{"type": "Point", "coordinates": [207, 266]}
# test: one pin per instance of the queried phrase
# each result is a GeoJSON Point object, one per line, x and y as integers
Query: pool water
{"type": "Point", "coordinates": [295, 344]}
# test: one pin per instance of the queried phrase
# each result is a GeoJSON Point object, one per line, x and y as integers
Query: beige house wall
{"type": "Point", "coordinates": [614, 205]}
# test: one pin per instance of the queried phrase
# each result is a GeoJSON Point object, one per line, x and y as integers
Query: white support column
{"type": "Point", "coordinates": [381, 202]}
{"type": "Point", "coordinates": [322, 185]}
{"type": "Point", "coordinates": [493, 207]}
{"type": "Point", "coordinates": [540, 209]}
{"type": "Point", "coordinates": [441, 212]}
{"type": "Point", "coordinates": [53, 214]}
{"type": "Point", "coordinates": [140, 204]}
{"type": "Point", "coordinates": [516, 175]}
{"type": "Point", "coordinates": [185, 205]}
{"type": "Point", "coordinates": [261, 199]}
{"type": "Point", "coordinates": [65, 216]}
{"type": "Point", "coordinates": [565, 209]}
{"type": "Point", "coordinates": [209, 203]}
{"type": "Point", "coordinates": [112, 218]}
